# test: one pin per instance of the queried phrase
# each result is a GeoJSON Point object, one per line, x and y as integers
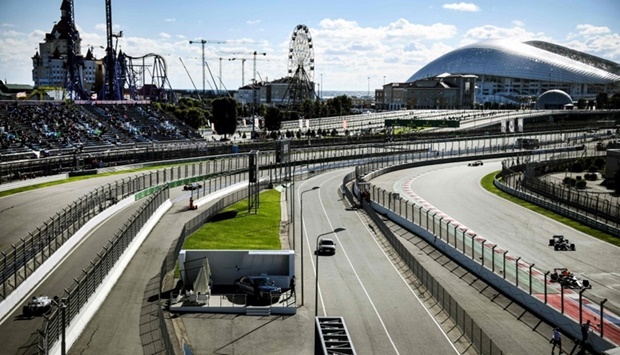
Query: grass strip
{"type": "Point", "coordinates": [487, 184]}
{"type": "Point", "coordinates": [247, 231]}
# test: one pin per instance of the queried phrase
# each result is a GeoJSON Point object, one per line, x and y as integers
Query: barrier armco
{"type": "Point", "coordinates": [79, 323]}
{"type": "Point", "coordinates": [18, 296]}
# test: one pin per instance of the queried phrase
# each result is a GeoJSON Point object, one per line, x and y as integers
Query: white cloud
{"type": "Point", "coordinates": [350, 53]}
{"type": "Point", "coordinates": [164, 35]}
{"type": "Point", "coordinates": [170, 20]}
{"type": "Point", "coordinates": [590, 30]}
{"type": "Point", "coordinates": [8, 25]}
{"type": "Point", "coordinates": [491, 32]}
{"type": "Point", "coordinates": [518, 23]}
{"type": "Point", "coordinates": [252, 22]}
{"type": "Point", "coordinates": [462, 6]}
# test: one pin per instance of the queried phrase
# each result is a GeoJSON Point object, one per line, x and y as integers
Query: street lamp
{"type": "Point", "coordinates": [586, 286]}
{"type": "Point", "coordinates": [301, 201]}
{"type": "Point", "coordinates": [316, 285]}
{"type": "Point", "coordinates": [60, 303]}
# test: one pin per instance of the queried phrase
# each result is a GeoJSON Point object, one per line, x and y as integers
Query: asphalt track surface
{"type": "Point", "coordinates": [455, 190]}
{"type": "Point", "coordinates": [359, 283]}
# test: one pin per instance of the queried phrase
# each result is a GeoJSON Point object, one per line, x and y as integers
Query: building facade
{"type": "Point", "coordinates": [49, 64]}
{"type": "Point", "coordinates": [507, 70]}
{"type": "Point", "coordinates": [446, 92]}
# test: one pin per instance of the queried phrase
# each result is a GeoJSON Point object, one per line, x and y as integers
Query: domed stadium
{"type": "Point", "coordinates": [512, 70]}
{"type": "Point", "coordinates": [553, 100]}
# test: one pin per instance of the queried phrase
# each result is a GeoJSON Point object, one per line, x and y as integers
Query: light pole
{"type": "Point", "coordinates": [63, 340]}
{"type": "Point", "coordinates": [321, 92]}
{"type": "Point", "coordinates": [316, 284]}
{"type": "Point", "coordinates": [301, 201]}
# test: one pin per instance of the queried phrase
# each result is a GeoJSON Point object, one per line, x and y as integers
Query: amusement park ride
{"type": "Point", "coordinates": [300, 67]}
{"type": "Point", "coordinates": [143, 77]}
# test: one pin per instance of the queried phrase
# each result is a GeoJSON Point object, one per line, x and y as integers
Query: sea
{"type": "Point", "coordinates": [329, 94]}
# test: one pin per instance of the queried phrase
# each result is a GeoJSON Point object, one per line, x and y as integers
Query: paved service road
{"type": "Point", "coordinates": [359, 283]}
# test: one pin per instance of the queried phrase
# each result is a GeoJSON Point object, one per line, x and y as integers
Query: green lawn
{"type": "Point", "coordinates": [247, 231]}
{"type": "Point", "coordinates": [487, 183]}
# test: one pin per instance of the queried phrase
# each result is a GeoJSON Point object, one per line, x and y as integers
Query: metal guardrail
{"type": "Point", "coordinates": [78, 294]}
{"type": "Point", "coordinates": [512, 269]}
{"type": "Point", "coordinates": [209, 169]}
{"type": "Point", "coordinates": [22, 259]}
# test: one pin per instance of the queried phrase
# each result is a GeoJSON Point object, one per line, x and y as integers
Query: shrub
{"type": "Point", "coordinates": [576, 167]}
{"type": "Point", "coordinates": [581, 184]}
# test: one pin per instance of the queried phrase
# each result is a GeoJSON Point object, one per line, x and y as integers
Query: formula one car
{"type": "Point", "coordinates": [558, 242]}
{"type": "Point", "coordinates": [476, 163]}
{"type": "Point", "coordinates": [37, 306]}
{"type": "Point", "coordinates": [192, 186]}
{"type": "Point", "coordinates": [567, 279]}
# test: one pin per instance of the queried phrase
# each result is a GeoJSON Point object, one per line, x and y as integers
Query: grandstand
{"type": "Point", "coordinates": [29, 130]}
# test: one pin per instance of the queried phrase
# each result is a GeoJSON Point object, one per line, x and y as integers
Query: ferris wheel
{"type": "Point", "coordinates": [301, 65]}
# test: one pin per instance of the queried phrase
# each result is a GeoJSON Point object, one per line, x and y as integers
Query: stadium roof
{"type": "Point", "coordinates": [505, 58]}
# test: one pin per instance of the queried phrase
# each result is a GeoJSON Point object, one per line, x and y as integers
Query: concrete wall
{"type": "Point", "coordinates": [230, 265]}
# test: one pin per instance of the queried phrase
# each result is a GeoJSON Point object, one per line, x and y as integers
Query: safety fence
{"type": "Point", "coordinates": [23, 258]}
{"type": "Point", "coordinates": [474, 333]}
{"type": "Point", "coordinates": [592, 203]}
{"type": "Point", "coordinates": [79, 292]}
{"type": "Point", "coordinates": [455, 238]}
{"type": "Point", "coordinates": [216, 171]}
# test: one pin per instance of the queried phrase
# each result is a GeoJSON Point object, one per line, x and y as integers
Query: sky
{"type": "Point", "coordinates": [358, 45]}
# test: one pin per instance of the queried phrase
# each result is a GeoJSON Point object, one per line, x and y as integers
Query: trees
{"type": "Point", "coordinates": [273, 119]}
{"type": "Point", "coordinates": [225, 115]}
{"type": "Point", "coordinates": [601, 100]}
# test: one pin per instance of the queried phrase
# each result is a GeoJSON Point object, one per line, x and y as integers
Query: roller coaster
{"type": "Point", "coordinates": [125, 77]}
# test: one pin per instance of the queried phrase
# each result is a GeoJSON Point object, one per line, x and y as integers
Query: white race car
{"type": "Point", "coordinates": [37, 306]}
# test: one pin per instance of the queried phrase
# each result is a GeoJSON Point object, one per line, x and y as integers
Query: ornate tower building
{"type": "Point", "coordinates": [60, 52]}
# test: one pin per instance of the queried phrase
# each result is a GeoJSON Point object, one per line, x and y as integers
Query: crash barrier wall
{"type": "Point", "coordinates": [514, 277]}
{"type": "Point", "coordinates": [475, 334]}
{"type": "Point", "coordinates": [606, 209]}
{"type": "Point", "coordinates": [590, 203]}
{"type": "Point", "coordinates": [509, 184]}
{"type": "Point", "coordinates": [66, 321]}
{"type": "Point", "coordinates": [18, 263]}
{"type": "Point", "coordinates": [25, 288]}
{"type": "Point", "coordinates": [23, 258]}
{"type": "Point", "coordinates": [317, 160]}
{"type": "Point", "coordinates": [64, 161]}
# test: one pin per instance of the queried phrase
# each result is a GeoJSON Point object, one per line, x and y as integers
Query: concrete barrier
{"type": "Point", "coordinates": [20, 294]}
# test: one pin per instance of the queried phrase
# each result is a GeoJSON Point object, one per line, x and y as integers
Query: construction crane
{"type": "Point", "coordinates": [190, 79]}
{"type": "Point", "coordinates": [203, 42]}
{"type": "Point", "coordinates": [243, 67]}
